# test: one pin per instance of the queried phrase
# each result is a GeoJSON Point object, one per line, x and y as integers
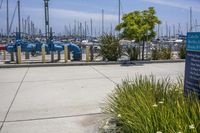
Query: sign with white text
{"type": "Point", "coordinates": [192, 66]}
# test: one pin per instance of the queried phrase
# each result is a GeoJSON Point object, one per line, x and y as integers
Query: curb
{"type": "Point", "coordinates": [88, 63]}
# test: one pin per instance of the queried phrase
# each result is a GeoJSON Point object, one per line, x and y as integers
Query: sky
{"type": "Point", "coordinates": [65, 12]}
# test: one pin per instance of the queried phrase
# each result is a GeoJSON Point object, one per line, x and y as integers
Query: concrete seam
{"type": "Point", "coordinates": [75, 79]}
{"type": "Point", "coordinates": [67, 80]}
{"type": "Point", "coordinates": [9, 82]}
{"type": "Point", "coordinates": [13, 99]}
{"type": "Point", "coordinates": [52, 118]}
{"type": "Point", "coordinates": [104, 75]}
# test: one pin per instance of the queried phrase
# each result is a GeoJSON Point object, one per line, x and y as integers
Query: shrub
{"type": "Point", "coordinates": [155, 54]}
{"type": "Point", "coordinates": [163, 54]}
{"type": "Point", "coordinates": [110, 48]}
{"type": "Point", "coordinates": [147, 105]}
{"type": "Point", "coordinates": [132, 53]}
{"type": "Point", "coordinates": [182, 52]}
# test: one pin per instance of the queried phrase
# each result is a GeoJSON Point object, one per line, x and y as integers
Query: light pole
{"type": "Point", "coordinates": [46, 10]}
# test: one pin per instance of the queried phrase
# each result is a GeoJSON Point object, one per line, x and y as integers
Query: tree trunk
{"type": "Point", "coordinates": [143, 43]}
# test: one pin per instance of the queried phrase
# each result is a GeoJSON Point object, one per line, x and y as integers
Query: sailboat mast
{"type": "Point", "coordinates": [190, 19]}
{"type": "Point", "coordinates": [7, 17]}
{"type": "Point", "coordinates": [119, 12]}
{"type": "Point", "coordinates": [91, 27]}
{"type": "Point", "coordinates": [102, 21]}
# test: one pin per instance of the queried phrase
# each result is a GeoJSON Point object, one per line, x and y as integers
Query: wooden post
{"type": "Point", "coordinates": [87, 54]}
{"type": "Point", "coordinates": [43, 54]}
{"type": "Point", "coordinates": [4, 55]}
{"type": "Point", "coordinates": [66, 53]}
{"type": "Point", "coordinates": [1, 52]}
{"type": "Point", "coordinates": [19, 58]}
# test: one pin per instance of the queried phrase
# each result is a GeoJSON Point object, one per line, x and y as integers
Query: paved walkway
{"type": "Point", "coordinates": [64, 99]}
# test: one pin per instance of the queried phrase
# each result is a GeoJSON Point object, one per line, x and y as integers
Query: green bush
{"type": "Point", "coordinates": [162, 54]}
{"type": "Point", "coordinates": [132, 53]}
{"type": "Point", "coordinates": [155, 54]}
{"type": "Point", "coordinates": [147, 105]}
{"type": "Point", "coordinates": [182, 52]}
{"type": "Point", "coordinates": [165, 53]}
{"type": "Point", "coordinates": [110, 48]}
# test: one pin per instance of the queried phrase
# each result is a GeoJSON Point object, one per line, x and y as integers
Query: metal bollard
{"type": "Point", "coordinates": [69, 54]}
{"type": "Point", "coordinates": [12, 56]}
{"type": "Point", "coordinates": [87, 54]}
{"type": "Point", "coordinates": [19, 58]}
{"type": "Point", "coordinates": [91, 53]}
{"type": "Point", "coordinates": [52, 56]}
{"type": "Point", "coordinates": [66, 53]}
{"type": "Point", "coordinates": [43, 54]}
{"type": "Point", "coordinates": [59, 56]}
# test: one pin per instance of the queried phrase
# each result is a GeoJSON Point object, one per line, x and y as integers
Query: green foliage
{"type": "Point", "coordinates": [110, 48]}
{"type": "Point", "coordinates": [147, 105]}
{"type": "Point", "coordinates": [155, 54]}
{"type": "Point", "coordinates": [163, 54]}
{"type": "Point", "coordinates": [182, 52]}
{"type": "Point", "coordinates": [132, 53]}
{"type": "Point", "coordinates": [139, 25]}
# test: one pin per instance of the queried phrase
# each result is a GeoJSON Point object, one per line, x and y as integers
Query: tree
{"type": "Point", "coordinates": [139, 26]}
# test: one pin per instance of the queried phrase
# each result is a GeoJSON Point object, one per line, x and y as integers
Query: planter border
{"type": "Point", "coordinates": [88, 63]}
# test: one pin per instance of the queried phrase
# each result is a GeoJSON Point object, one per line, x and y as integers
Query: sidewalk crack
{"type": "Point", "coordinates": [1, 127]}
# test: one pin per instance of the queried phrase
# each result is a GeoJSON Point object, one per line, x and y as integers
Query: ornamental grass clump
{"type": "Point", "coordinates": [147, 105]}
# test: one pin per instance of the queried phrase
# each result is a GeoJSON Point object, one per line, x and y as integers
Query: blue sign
{"type": "Point", "coordinates": [193, 41]}
{"type": "Point", "coordinates": [192, 67]}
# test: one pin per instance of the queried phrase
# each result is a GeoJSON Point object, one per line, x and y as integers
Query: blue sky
{"type": "Point", "coordinates": [64, 12]}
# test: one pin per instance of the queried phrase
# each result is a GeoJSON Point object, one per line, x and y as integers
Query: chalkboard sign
{"type": "Point", "coordinates": [192, 67]}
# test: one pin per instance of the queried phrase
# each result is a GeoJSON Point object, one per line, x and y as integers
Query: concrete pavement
{"type": "Point", "coordinates": [64, 99]}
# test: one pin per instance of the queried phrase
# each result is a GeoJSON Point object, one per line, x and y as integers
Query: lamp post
{"type": "Point", "coordinates": [46, 10]}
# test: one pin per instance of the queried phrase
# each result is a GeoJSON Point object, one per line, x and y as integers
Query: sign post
{"type": "Point", "coordinates": [192, 67]}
